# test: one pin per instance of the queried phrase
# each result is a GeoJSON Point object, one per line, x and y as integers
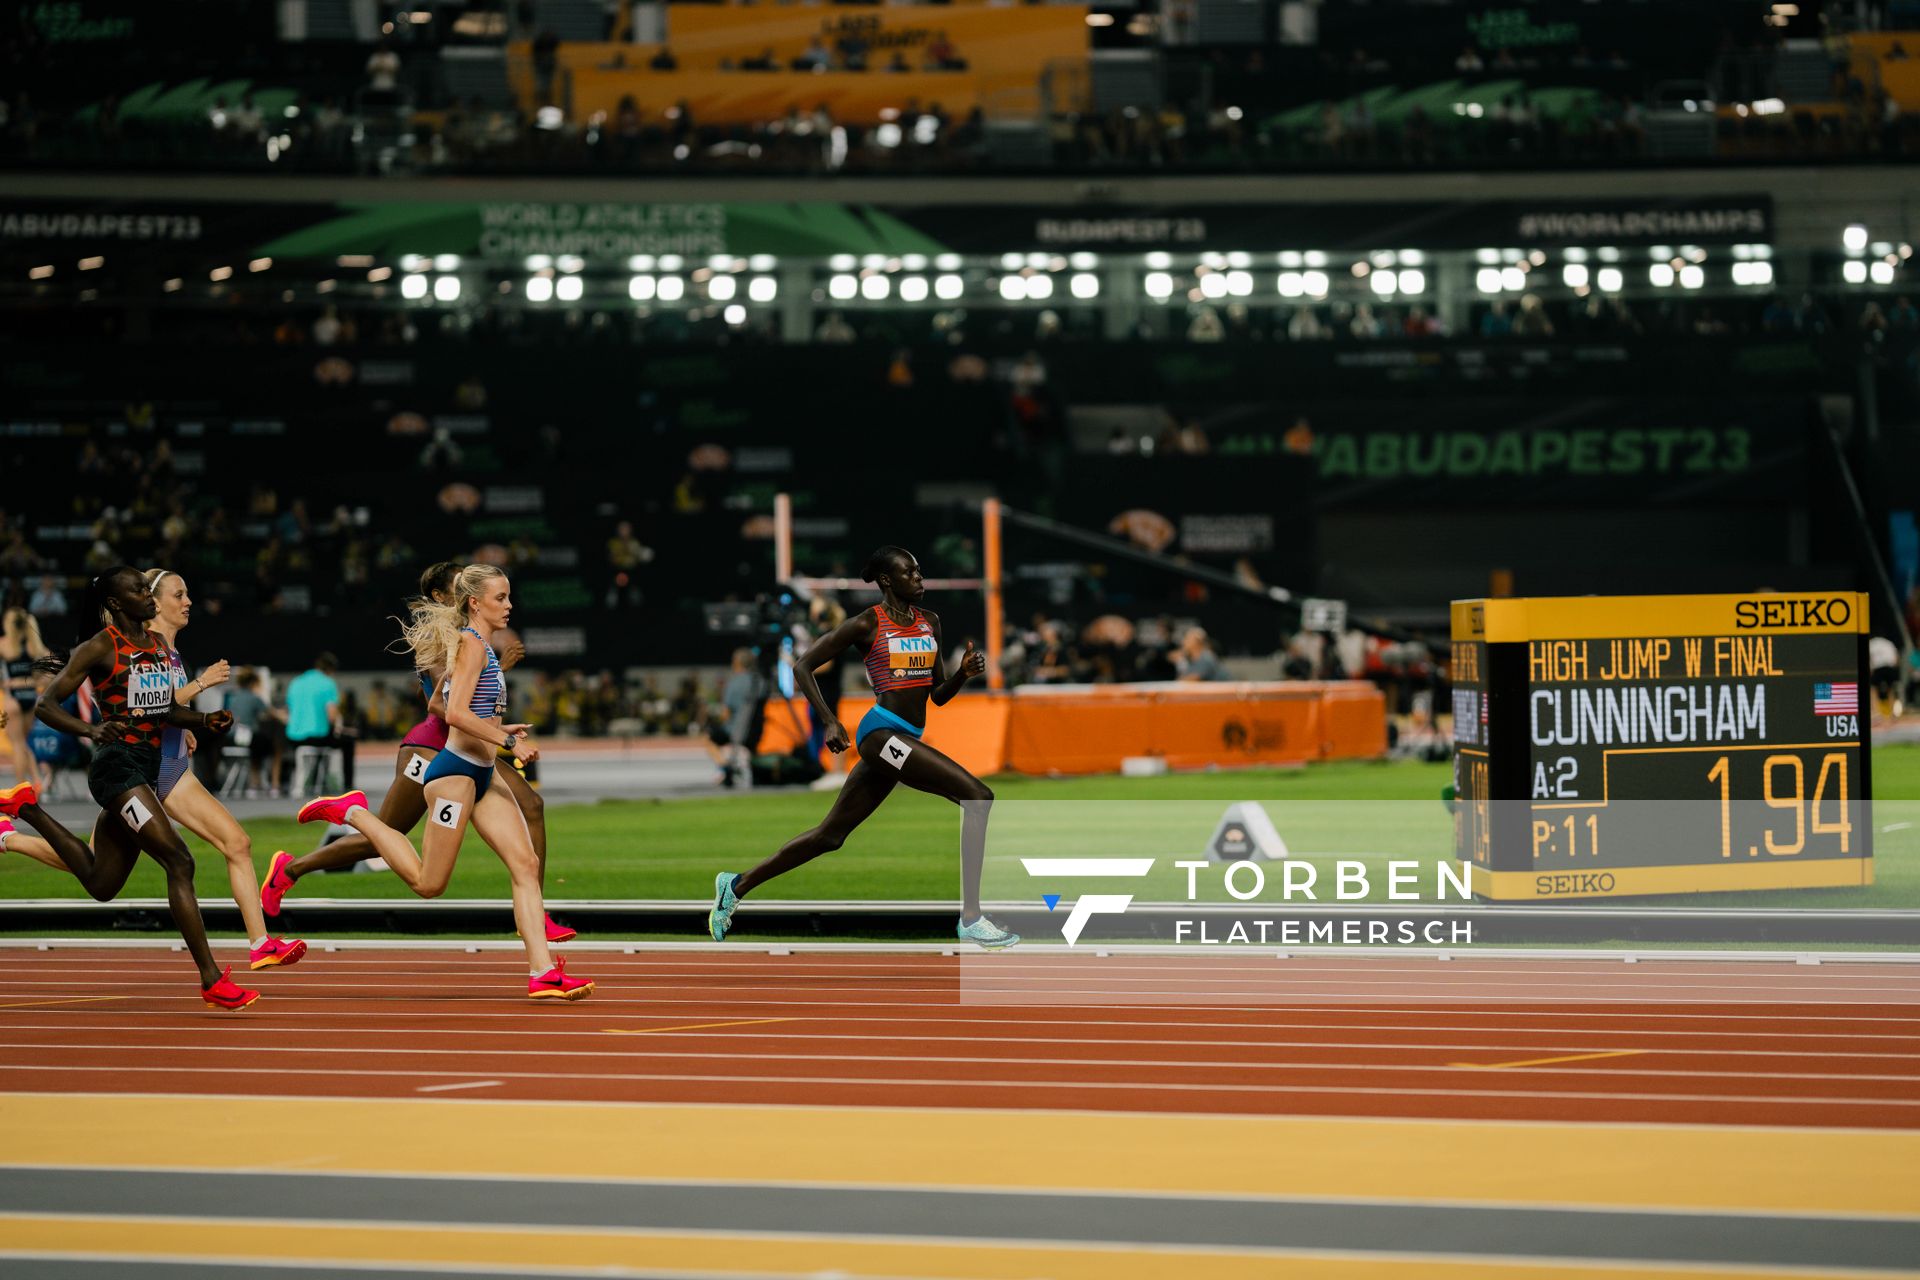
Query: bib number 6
{"type": "Point", "coordinates": [447, 814]}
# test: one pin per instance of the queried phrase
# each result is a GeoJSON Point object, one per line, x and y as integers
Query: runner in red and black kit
{"type": "Point", "coordinates": [900, 643]}
{"type": "Point", "coordinates": [406, 800]}
{"type": "Point", "coordinates": [133, 683]}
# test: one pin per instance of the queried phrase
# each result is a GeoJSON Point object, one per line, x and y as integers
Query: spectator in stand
{"type": "Point", "coordinates": [1903, 315]}
{"type": "Point", "coordinates": [736, 730]}
{"type": "Point", "coordinates": [1533, 321]}
{"type": "Point", "coordinates": [941, 55]}
{"type": "Point", "coordinates": [546, 64]}
{"type": "Point", "coordinates": [664, 60]}
{"type": "Point", "coordinates": [314, 715]}
{"type": "Point", "coordinates": [898, 63]}
{"type": "Point", "coordinates": [1195, 659]}
{"type": "Point", "coordinates": [814, 57]}
{"type": "Point", "coordinates": [1811, 317]}
{"type": "Point", "coordinates": [834, 328]}
{"type": "Point", "coordinates": [1305, 326]}
{"type": "Point", "coordinates": [625, 555]}
{"type": "Point", "coordinates": [1205, 325]}
{"type": "Point", "coordinates": [1873, 322]}
{"type": "Point", "coordinates": [17, 558]}
{"type": "Point", "coordinates": [1363, 325]}
{"type": "Point", "coordinates": [1469, 63]}
{"type": "Point", "coordinates": [49, 599]}
{"type": "Point", "coordinates": [1778, 316]}
{"type": "Point", "coordinates": [383, 76]}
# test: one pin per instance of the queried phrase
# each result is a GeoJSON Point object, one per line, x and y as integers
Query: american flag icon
{"type": "Point", "coordinates": [1836, 699]}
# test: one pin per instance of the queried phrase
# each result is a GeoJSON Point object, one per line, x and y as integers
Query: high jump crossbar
{"type": "Point", "coordinates": [988, 584]}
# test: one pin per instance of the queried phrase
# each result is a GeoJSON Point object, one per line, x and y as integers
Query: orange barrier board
{"type": "Point", "coordinates": [1044, 730]}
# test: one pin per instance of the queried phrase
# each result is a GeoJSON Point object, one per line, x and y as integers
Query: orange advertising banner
{"type": "Point", "coordinates": [1083, 730]}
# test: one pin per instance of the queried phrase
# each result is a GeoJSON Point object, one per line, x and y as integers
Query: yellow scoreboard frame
{"type": "Point", "coordinates": [1617, 746]}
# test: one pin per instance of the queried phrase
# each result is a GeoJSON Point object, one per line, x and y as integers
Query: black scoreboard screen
{"type": "Point", "coordinates": [1616, 746]}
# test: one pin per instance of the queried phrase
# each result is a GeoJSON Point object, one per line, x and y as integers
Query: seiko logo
{"type": "Point", "coordinates": [1578, 882]}
{"type": "Point", "coordinates": [1837, 612]}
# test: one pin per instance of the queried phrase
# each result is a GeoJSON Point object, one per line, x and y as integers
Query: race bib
{"type": "Point", "coordinates": [135, 813]}
{"type": "Point", "coordinates": [149, 691]}
{"type": "Point", "coordinates": [446, 813]}
{"type": "Point", "coordinates": [895, 751]}
{"type": "Point", "coordinates": [416, 768]}
{"type": "Point", "coordinates": [910, 655]}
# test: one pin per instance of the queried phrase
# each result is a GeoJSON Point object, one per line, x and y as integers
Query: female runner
{"type": "Point", "coordinates": [406, 802]}
{"type": "Point", "coordinates": [458, 784]}
{"type": "Point", "coordinates": [20, 648]}
{"type": "Point", "coordinates": [901, 645]}
{"type": "Point", "coordinates": [133, 682]}
{"type": "Point", "coordinates": [186, 799]}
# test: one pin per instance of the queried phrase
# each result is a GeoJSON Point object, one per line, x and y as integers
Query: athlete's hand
{"type": "Point", "coordinates": [973, 662]}
{"type": "Point", "coordinates": [106, 731]}
{"type": "Point", "coordinates": [520, 730]}
{"type": "Point", "coordinates": [511, 653]}
{"type": "Point", "coordinates": [524, 752]}
{"type": "Point", "coordinates": [837, 740]}
{"type": "Point", "coordinates": [217, 674]}
{"type": "Point", "coordinates": [220, 721]}
{"type": "Point", "coordinates": [193, 743]}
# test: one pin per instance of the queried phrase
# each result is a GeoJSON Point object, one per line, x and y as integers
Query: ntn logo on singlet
{"type": "Point", "coordinates": [909, 654]}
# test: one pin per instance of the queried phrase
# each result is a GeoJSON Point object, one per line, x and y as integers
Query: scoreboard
{"type": "Point", "coordinates": [1627, 745]}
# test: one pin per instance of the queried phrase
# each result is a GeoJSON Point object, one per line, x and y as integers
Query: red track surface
{"type": "Point", "coordinates": [1690, 1041]}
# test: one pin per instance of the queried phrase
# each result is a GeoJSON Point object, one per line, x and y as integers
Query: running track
{"type": "Point", "coordinates": [1798, 1065]}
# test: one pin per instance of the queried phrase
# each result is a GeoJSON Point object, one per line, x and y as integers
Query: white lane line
{"type": "Point", "coordinates": [1456, 1094]}
{"type": "Point", "coordinates": [356, 1013]}
{"type": "Point", "coordinates": [1153, 1064]}
{"type": "Point", "coordinates": [278, 1033]}
{"type": "Point", "coordinates": [467, 1084]}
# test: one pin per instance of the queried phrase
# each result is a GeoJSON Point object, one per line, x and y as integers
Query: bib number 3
{"type": "Point", "coordinates": [416, 769]}
{"type": "Point", "coordinates": [447, 814]}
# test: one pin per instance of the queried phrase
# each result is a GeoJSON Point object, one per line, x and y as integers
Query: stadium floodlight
{"type": "Point", "coordinates": [1084, 261]}
{"type": "Point", "coordinates": [1159, 261]}
{"type": "Point", "coordinates": [570, 262]}
{"type": "Point", "coordinates": [1085, 286]}
{"type": "Point", "coordinates": [414, 262]}
{"type": "Point", "coordinates": [1213, 285]}
{"type": "Point", "coordinates": [1315, 258]}
{"type": "Point", "coordinates": [873, 261]}
{"type": "Point", "coordinates": [642, 288]}
{"type": "Point", "coordinates": [841, 288]}
{"type": "Point", "coordinates": [1412, 281]}
{"type": "Point", "coordinates": [763, 288]}
{"type": "Point", "coordinates": [1692, 277]}
{"type": "Point", "coordinates": [1382, 258]}
{"type": "Point", "coordinates": [914, 261]}
{"type": "Point", "coordinates": [1040, 261]}
{"type": "Point", "coordinates": [1039, 288]}
{"type": "Point", "coordinates": [1488, 280]}
{"type": "Point", "coordinates": [1513, 278]}
{"type": "Point", "coordinates": [1290, 284]}
{"type": "Point", "coordinates": [719, 262]}
{"type": "Point", "coordinates": [445, 288]}
{"type": "Point", "coordinates": [722, 288]}
{"type": "Point", "coordinates": [947, 262]}
{"type": "Point", "coordinates": [1158, 284]}
{"type": "Point", "coordinates": [1316, 283]}
{"type": "Point", "coordinates": [1240, 283]}
{"type": "Point", "coordinates": [874, 288]}
{"type": "Point", "coordinates": [1239, 261]}
{"type": "Point", "coordinates": [843, 262]}
{"type": "Point", "coordinates": [1660, 275]}
{"type": "Point", "coordinates": [640, 262]}
{"type": "Point", "coordinates": [763, 262]}
{"type": "Point", "coordinates": [949, 287]}
{"type": "Point", "coordinates": [1011, 262]}
{"type": "Point", "coordinates": [735, 315]}
{"type": "Point", "coordinates": [1384, 282]}
{"type": "Point", "coordinates": [375, 276]}
{"type": "Point", "coordinates": [1487, 257]}
{"type": "Point", "coordinates": [1854, 271]}
{"type": "Point", "coordinates": [1575, 254]}
{"type": "Point", "coordinates": [1882, 272]}
{"type": "Point", "coordinates": [1574, 275]}
{"type": "Point", "coordinates": [1610, 279]}
{"type": "Point", "coordinates": [913, 289]}
{"type": "Point", "coordinates": [672, 288]}
{"type": "Point", "coordinates": [1292, 258]}
{"type": "Point", "coordinates": [539, 288]}
{"type": "Point", "coordinates": [1854, 239]}
{"type": "Point", "coordinates": [569, 288]}
{"type": "Point", "coordinates": [413, 286]}
{"type": "Point", "coordinates": [1013, 288]}
{"type": "Point", "coordinates": [541, 262]}
{"type": "Point", "coordinates": [1412, 258]}
{"type": "Point", "coordinates": [446, 262]}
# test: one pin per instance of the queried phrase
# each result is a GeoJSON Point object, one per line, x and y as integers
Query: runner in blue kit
{"type": "Point", "coordinates": [900, 643]}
